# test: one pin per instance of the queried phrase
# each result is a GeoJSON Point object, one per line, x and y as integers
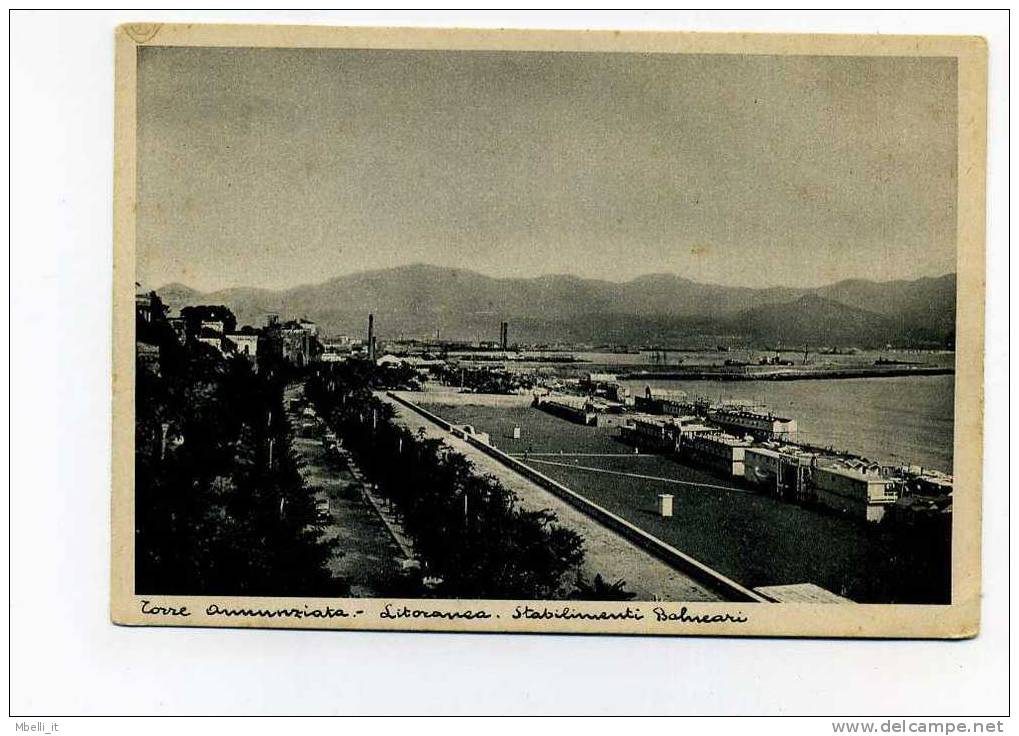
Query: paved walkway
{"type": "Point", "coordinates": [606, 552]}
{"type": "Point", "coordinates": [525, 455]}
{"type": "Point", "coordinates": [366, 556]}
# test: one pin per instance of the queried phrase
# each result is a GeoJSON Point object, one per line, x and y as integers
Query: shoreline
{"type": "Point", "coordinates": [610, 549]}
{"type": "Point", "coordinates": [792, 375]}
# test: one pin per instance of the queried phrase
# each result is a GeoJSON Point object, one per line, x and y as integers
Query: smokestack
{"type": "Point", "coordinates": [371, 337]}
{"type": "Point", "coordinates": [504, 336]}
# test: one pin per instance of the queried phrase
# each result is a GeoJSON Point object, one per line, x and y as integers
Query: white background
{"type": "Point", "coordinates": [67, 659]}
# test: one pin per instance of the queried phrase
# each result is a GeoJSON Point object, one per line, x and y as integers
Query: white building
{"type": "Point", "coordinates": [649, 432]}
{"type": "Point", "coordinates": [860, 490]}
{"type": "Point", "coordinates": [389, 360]}
{"type": "Point", "coordinates": [574, 408]}
{"type": "Point", "coordinates": [721, 452]}
{"type": "Point", "coordinates": [760, 467]}
{"type": "Point", "coordinates": [243, 344]}
{"type": "Point", "coordinates": [663, 432]}
{"type": "Point", "coordinates": [663, 401]}
{"type": "Point", "coordinates": [760, 424]}
{"type": "Point", "coordinates": [780, 469]}
{"type": "Point", "coordinates": [214, 341]}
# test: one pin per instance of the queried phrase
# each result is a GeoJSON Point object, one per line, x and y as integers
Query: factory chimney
{"type": "Point", "coordinates": [504, 336]}
{"type": "Point", "coordinates": [371, 337]}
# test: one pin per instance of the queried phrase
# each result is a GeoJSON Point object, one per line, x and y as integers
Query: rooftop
{"type": "Point", "coordinates": [857, 471]}
{"type": "Point", "coordinates": [735, 411]}
{"type": "Point", "coordinates": [662, 393]}
{"type": "Point", "coordinates": [721, 438]}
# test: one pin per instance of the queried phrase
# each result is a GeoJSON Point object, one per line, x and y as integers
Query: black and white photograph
{"type": "Point", "coordinates": [508, 336]}
{"type": "Point", "coordinates": [461, 364]}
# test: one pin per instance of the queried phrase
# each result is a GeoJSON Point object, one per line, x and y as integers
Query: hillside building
{"type": "Point", "coordinates": [148, 357]}
{"type": "Point", "coordinates": [148, 306]}
{"type": "Point", "coordinates": [296, 344]}
{"type": "Point", "coordinates": [244, 344]}
{"type": "Point", "coordinates": [212, 339]}
{"type": "Point", "coordinates": [212, 325]}
{"type": "Point", "coordinates": [180, 328]}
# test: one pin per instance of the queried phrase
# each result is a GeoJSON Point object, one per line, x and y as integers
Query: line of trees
{"type": "Point", "coordinates": [470, 533]}
{"type": "Point", "coordinates": [220, 507]}
{"type": "Point", "coordinates": [484, 380]}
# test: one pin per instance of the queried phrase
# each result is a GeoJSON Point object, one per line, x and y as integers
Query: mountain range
{"type": "Point", "coordinates": [660, 309]}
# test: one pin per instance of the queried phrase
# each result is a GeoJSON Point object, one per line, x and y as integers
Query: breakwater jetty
{"type": "Point", "coordinates": [785, 373]}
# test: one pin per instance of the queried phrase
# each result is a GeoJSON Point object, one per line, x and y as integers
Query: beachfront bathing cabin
{"type": "Point", "coordinates": [576, 409]}
{"type": "Point", "coordinates": [762, 425]}
{"type": "Point", "coordinates": [718, 451]}
{"type": "Point", "coordinates": [665, 401]}
{"type": "Point", "coordinates": [780, 469]}
{"type": "Point", "coordinates": [661, 434]}
{"type": "Point", "coordinates": [859, 490]}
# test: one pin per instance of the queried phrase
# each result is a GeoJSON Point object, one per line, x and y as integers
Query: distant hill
{"type": "Point", "coordinates": [814, 320]}
{"type": "Point", "coordinates": [919, 311]}
{"type": "Point", "coordinates": [417, 301]}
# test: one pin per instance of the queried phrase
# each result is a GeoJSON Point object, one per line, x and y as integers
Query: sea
{"type": "Point", "coordinates": [900, 420]}
{"type": "Point", "coordinates": [756, 539]}
{"type": "Point", "coordinates": [893, 420]}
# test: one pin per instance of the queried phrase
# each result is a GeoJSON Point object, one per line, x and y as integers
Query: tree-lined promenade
{"type": "Point", "coordinates": [472, 538]}
{"type": "Point", "coordinates": [220, 508]}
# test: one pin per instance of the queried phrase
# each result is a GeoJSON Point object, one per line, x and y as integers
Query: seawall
{"type": "Point", "coordinates": [725, 587]}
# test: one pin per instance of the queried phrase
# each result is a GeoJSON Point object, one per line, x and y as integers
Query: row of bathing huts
{"type": "Point", "coordinates": [753, 446]}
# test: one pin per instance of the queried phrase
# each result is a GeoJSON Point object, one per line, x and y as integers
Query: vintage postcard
{"type": "Point", "coordinates": [528, 331]}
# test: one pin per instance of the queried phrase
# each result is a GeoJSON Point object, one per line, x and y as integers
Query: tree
{"type": "Point", "coordinates": [195, 315]}
{"type": "Point", "coordinates": [217, 513]}
{"type": "Point", "coordinates": [467, 528]}
{"type": "Point", "coordinates": [599, 590]}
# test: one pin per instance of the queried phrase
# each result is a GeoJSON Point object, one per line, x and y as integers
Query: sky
{"type": "Point", "coordinates": [279, 167]}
